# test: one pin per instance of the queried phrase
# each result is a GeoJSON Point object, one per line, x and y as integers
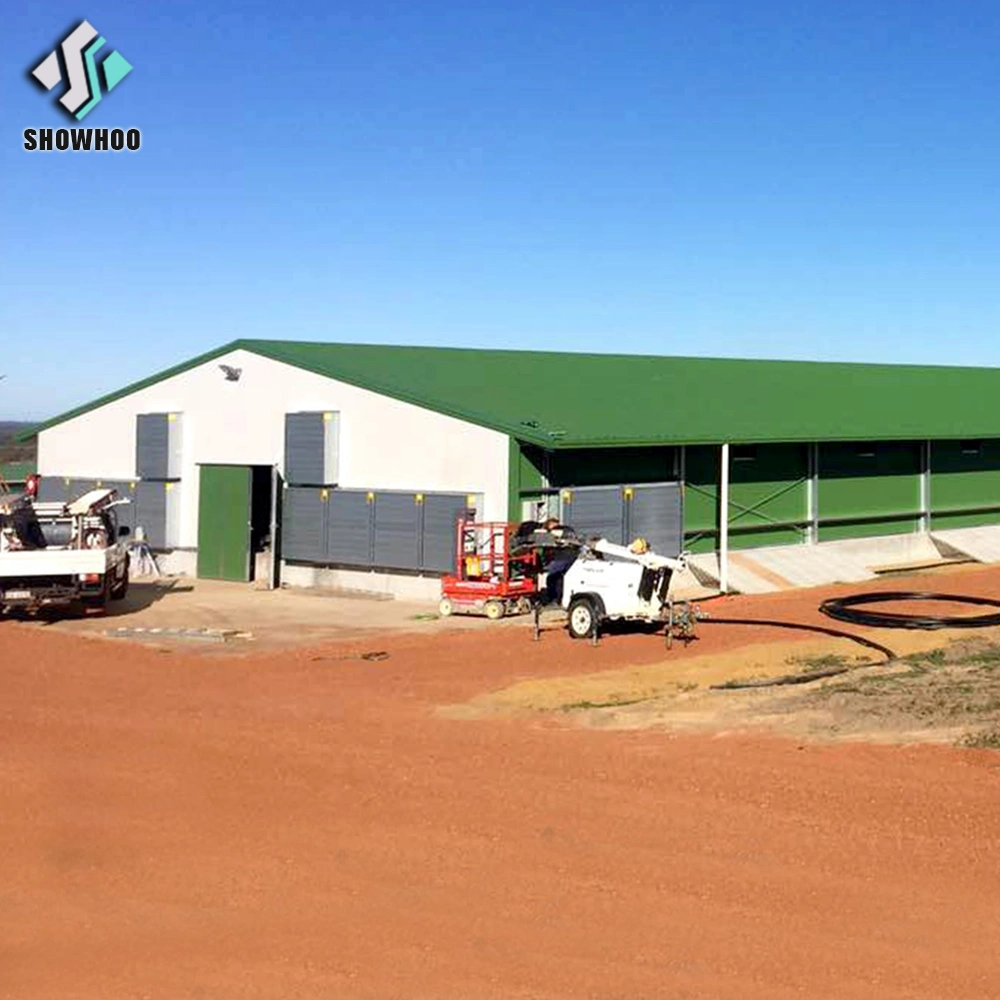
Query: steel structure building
{"type": "Point", "coordinates": [362, 456]}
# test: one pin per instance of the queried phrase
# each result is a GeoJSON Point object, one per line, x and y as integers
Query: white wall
{"type": "Point", "coordinates": [384, 444]}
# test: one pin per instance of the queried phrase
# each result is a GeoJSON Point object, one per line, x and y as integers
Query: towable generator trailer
{"type": "Point", "coordinates": [609, 582]}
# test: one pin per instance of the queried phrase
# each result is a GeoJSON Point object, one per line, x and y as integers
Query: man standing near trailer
{"type": "Point", "coordinates": [564, 556]}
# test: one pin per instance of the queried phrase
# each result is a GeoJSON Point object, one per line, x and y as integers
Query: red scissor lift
{"type": "Point", "coordinates": [488, 579]}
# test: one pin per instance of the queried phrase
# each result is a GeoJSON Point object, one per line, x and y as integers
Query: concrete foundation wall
{"type": "Point", "coordinates": [177, 563]}
{"type": "Point", "coordinates": [410, 588]}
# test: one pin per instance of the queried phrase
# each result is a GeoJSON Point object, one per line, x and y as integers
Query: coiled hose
{"type": "Point", "coordinates": [846, 609]}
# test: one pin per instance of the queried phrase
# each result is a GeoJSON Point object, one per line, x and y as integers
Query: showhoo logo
{"type": "Point", "coordinates": [83, 84]}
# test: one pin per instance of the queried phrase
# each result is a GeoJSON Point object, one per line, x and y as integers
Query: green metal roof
{"type": "Point", "coordinates": [16, 472]}
{"type": "Point", "coordinates": [599, 400]}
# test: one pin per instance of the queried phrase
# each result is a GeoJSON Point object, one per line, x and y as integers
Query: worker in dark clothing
{"type": "Point", "coordinates": [26, 526]}
{"type": "Point", "coordinates": [555, 573]}
{"type": "Point", "coordinates": [555, 569]}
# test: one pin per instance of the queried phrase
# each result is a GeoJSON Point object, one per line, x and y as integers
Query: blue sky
{"type": "Point", "coordinates": [759, 179]}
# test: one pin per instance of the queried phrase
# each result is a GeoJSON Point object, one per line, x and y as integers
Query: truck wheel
{"type": "Point", "coordinates": [120, 589]}
{"type": "Point", "coordinates": [582, 618]}
{"type": "Point", "coordinates": [445, 607]}
{"type": "Point", "coordinates": [524, 605]}
{"type": "Point", "coordinates": [494, 610]}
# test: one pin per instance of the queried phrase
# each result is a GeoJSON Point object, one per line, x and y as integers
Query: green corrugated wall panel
{"type": "Point", "coordinates": [701, 505]}
{"type": "Point", "coordinates": [875, 485]}
{"type": "Point", "coordinates": [524, 475]}
{"type": "Point", "coordinates": [962, 477]}
{"type": "Point", "coordinates": [532, 467]}
{"type": "Point", "coordinates": [868, 480]}
{"type": "Point", "coordinates": [612, 466]}
{"type": "Point", "coordinates": [771, 486]}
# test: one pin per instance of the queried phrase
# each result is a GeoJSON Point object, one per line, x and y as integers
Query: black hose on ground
{"type": "Point", "coordinates": [803, 678]}
{"type": "Point", "coordinates": [845, 609]}
{"type": "Point", "coordinates": [822, 629]}
{"type": "Point", "coordinates": [784, 679]}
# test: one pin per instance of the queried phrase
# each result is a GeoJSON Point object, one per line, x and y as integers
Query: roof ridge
{"type": "Point", "coordinates": [609, 355]}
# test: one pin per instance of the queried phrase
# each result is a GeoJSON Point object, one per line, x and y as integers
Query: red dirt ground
{"type": "Point", "coordinates": [178, 825]}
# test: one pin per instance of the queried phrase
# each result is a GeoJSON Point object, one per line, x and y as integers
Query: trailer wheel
{"type": "Point", "coordinates": [524, 605]}
{"type": "Point", "coordinates": [582, 618]}
{"type": "Point", "coordinates": [445, 607]}
{"type": "Point", "coordinates": [494, 610]}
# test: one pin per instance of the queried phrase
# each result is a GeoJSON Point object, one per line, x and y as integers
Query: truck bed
{"type": "Point", "coordinates": [22, 564]}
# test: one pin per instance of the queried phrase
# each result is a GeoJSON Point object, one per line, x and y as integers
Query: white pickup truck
{"type": "Point", "coordinates": [61, 554]}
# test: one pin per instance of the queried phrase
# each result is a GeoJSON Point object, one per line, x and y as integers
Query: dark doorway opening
{"type": "Point", "coordinates": [260, 512]}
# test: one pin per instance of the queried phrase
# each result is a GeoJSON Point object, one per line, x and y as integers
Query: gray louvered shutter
{"type": "Point", "coordinates": [303, 531]}
{"type": "Point", "coordinates": [441, 514]}
{"type": "Point", "coordinates": [656, 514]}
{"type": "Point", "coordinates": [77, 487]}
{"type": "Point", "coordinates": [349, 530]}
{"type": "Point", "coordinates": [152, 446]}
{"type": "Point", "coordinates": [397, 542]}
{"type": "Point", "coordinates": [596, 511]}
{"type": "Point", "coordinates": [53, 489]}
{"type": "Point", "coordinates": [151, 512]}
{"type": "Point", "coordinates": [305, 449]}
{"type": "Point", "coordinates": [125, 511]}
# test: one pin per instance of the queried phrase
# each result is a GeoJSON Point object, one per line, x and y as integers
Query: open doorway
{"type": "Point", "coordinates": [261, 486]}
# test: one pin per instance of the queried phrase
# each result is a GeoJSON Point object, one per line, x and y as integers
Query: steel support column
{"type": "Point", "coordinates": [812, 496]}
{"type": "Point", "coordinates": [925, 486]}
{"type": "Point", "coordinates": [724, 518]}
